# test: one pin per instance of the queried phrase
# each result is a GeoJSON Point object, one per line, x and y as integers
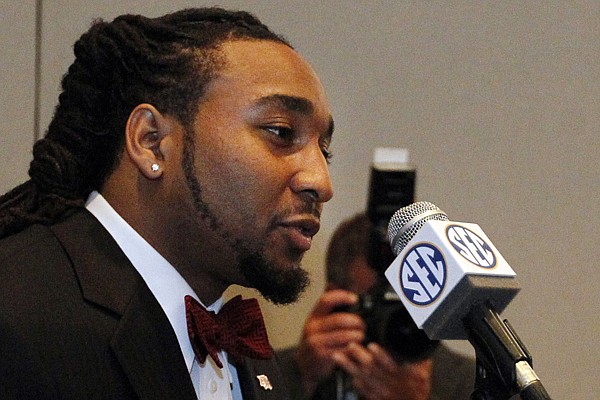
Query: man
{"type": "Point", "coordinates": [333, 341]}
{"type": "Point", "coordinates": [187, 153]}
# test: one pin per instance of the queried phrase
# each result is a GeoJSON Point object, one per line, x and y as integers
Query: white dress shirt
{"type": "Point", "coordinates": [169, 288]}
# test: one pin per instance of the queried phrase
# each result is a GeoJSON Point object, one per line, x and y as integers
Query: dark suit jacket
{"type": "Point", "coordinates": [78, 322]}
{"type": "Point", "coordinates": [453, 377]}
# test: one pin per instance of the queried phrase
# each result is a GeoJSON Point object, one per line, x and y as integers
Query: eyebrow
{"type": "Point", "coordinates": [291, 103]}
{"type": "Point", "coordinates": [294, 104]}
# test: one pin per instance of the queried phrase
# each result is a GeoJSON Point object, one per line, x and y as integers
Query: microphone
{"type": "Point", "coordinates": [444, 267]}
{"type": "Point", "coordinates": [453, 282]}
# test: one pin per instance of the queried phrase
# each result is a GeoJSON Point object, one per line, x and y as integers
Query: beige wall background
{"type": "Point", "coordinates": [17, 83]}
{"type": "Point", "coordinates": [498, 102]}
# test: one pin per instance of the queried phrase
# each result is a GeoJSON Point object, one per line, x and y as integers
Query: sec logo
{"type": "Point", "coordinates": [470, 246]}
{"type": "Point", "coordinates": [423, 274]}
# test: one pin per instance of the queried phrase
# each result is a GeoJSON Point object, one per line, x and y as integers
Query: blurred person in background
{"type": "Point", "coordinates": [333, 348]}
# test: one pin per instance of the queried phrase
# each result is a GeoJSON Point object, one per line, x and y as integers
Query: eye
{"type": "Point", "coordinates": [327, 154]}
{"type": "Point", "coordinates": [284, 132]}
{"type": "Point", "coordinates": [324, 143]}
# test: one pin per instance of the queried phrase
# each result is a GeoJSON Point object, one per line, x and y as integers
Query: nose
{"type": "Point", "coordinates": [312, 176]}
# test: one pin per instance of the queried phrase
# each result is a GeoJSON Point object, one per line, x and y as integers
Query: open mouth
{"type": "Point", "coordinates": [300, 232]}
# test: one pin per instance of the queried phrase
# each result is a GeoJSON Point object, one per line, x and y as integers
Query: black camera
{"type": "Point", "coordinates": [392, 186]}
{"type": "Point", "coordinates": [390, 325]}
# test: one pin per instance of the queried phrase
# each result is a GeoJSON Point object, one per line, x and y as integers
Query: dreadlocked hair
{"type": "Point", "coordinates": [165, 61]}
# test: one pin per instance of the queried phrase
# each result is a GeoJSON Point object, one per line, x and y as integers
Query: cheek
{"type": "Point", "coordinates": [262, 190]}
{"type": "Point", "coordinates": [239, 174]}
{"type": "Point", "coordinates": [245, 185]}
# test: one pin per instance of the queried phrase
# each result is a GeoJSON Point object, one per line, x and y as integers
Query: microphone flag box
{"type": "Point", "coordinates": [445, 269]}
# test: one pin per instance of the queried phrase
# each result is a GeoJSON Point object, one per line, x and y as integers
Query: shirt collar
{"type": "Point", "coordinates": [163, 280]}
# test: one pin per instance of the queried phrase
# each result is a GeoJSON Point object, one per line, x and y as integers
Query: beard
{"type": "Point", "coordinates": [279, 284]}
{"type": "Point", "coordinates": [276, 284]}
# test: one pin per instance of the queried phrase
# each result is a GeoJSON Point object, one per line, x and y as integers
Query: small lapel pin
{"type": "Point", "coordinates": [263, 380]}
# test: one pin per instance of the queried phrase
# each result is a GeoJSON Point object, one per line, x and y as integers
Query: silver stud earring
{"type": "Point", "coordinates": [155, 167]}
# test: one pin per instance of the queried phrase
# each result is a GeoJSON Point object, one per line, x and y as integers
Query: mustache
{"type": "Point", "coordinates": [309, 209]}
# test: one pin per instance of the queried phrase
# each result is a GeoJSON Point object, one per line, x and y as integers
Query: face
{"type": "Point", "coordinates": [256, 166]}
{"type": "Point", "coordinates": [361, 277]}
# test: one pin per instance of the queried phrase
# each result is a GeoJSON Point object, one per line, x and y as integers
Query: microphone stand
{"type": "Point", "coordinates": [504, 366]}
{"type": "Point", "coordinates": [343, 387]}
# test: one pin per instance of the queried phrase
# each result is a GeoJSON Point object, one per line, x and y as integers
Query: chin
{"type": "Point", "coordinates": [279, 284]}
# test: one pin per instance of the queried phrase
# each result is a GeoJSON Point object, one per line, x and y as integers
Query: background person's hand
{"type": "Point", "coordinates": [325, 333]}
{"type": "Point", "coordinates": [377, 376]}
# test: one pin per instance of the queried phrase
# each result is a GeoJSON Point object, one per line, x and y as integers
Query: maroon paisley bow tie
{"type": "Point", "coordinates": [238, 329]}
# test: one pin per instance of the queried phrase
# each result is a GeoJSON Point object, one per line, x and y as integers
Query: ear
{"type": "Point", "coordinates": [145, 131]}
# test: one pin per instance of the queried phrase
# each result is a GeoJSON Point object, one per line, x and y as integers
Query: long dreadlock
{"type": "Point", "coordinates": [165, 61]}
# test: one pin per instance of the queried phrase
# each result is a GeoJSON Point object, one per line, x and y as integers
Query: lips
{"type": "Point", "coordinates": [300, 231]}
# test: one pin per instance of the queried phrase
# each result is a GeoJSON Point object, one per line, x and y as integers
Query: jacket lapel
{"type": "Point", "coordinates": [148, 351]}
{"type": "Point", "coordinates": [144, 341]}
{"type": "Point", "coordinates": [262, 380]}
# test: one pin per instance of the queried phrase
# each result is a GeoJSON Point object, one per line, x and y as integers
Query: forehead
{"type": "Point", "coordinates": [254, 69]}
